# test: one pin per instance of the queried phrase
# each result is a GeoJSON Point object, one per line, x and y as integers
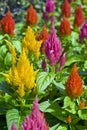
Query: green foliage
{"type": "Point", "coordinates": [12, 116]}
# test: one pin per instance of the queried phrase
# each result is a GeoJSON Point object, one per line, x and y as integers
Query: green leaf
{"type": "Point", "coordinates": [83, 114]}
{"type": "Point", "coordinates": [54, 127]}
{"type": "Point", "coordinates": [44, 105]}
{"type": "Point", "coordinates": [62, 127]}
{"type": "Point", "coordinates": [6, 88]}
{"type": "Point", "coordinates": [8, 59]}
{"type": "Point", "coordinates": [12, 116]}
{"type": "Point", "coordinates": [17, 45]}
{"type": "Point", "coordinates": [44, 79]}
{"type": "Point", "coordinates": [57, 111]}
{"type": "Point", "coordinates": [69, 105]}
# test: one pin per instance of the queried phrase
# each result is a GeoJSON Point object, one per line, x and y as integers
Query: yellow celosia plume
{"type": "Point", "coordinates": [30, 43]}
{"type": "Point", "coordinates": [22, 75]}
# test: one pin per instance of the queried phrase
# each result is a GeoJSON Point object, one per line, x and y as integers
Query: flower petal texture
{"type": "Point", "coordinates": [66, 9]}
{"type": "Point", "coordinates": [83, 32]}
{"type": "Point", "coordinates": [79, 17]}
{"type": "Point", "coordinates": [36, 120]}
{"type": "Point", "coordinates": [50, 6]}
{"type": "Point", "coordinates": [13, 127]}
{"type": "Point", "coordinates": [64, 28]}
{"type": "Point", "coordinates": [8, 24]}
{"type": "Point", "coordinates": [53, 49]}
{"type": "Point", "coordinates": [74, 84]}
{"type": "Point", "coordinates": [31, 17]}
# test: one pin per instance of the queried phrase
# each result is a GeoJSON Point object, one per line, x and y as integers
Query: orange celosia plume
{"type": "Point", "coordinates": [79, 17]}
{"type": "Point", "coordinates": [74, 84]}
{"type": "Point", "coordinates": [8, 24]}
{"type": "Point", "coordinates": [31, 17]}
{"type": "Point", "coordinates": [66, 9]}
{"type": "Point", "coordinates": [64, 28]}
{"type": "Point", "coordinates": [43, 36]}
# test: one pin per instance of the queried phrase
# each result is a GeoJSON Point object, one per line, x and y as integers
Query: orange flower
{"type": "Point", "coordinates": [74, 84]}
{"type": "Point", "coordinates": [43, 36]}
{"type": "Point", "coordinates": [79, 17]}
{"type": "Point", "coordinates": [82, 104]}
{"type": "Point", "coordinates": [31, 17]}
{"type": "Point", "coordinates": [8, 24]}
{"type": "Point", "coordinates": [68, 119]}
{"type": "Point", "coordinates": [64, 28]}
{"type": "Point", "coordinates": [66, 10]}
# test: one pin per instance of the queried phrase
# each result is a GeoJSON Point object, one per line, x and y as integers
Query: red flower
{"type": "Point", "coordinates": [8, 24]}
{"type": "Point", "coordinates": [64, 28]}
{"type": "Point", "coordinates": [79, 17]}
{"type": "Point", "coordinates": [66, 9]}
{"type": "Point", "coordinates": [68, 119]}
{"type": "Point", "coordinates": [82, 104]}
{"type": "Point", "coordinates": [74, 84]}
{"type": "Point", "coordinates": [31, 17]}
{"type": "Point", "coordinates": [43, 36]}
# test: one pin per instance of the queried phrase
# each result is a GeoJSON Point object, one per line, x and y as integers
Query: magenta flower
{"type": "Point", "coordinates": [63, 60]}
{"type": "Point", "coordinates": [43, 65]}
{"type": "Point", "coordinates": [45, 16]}
{"type": "Point", "coordinates": [83, 32]}
{"type": "Point", "coordinates": [53, 49]}
{"type": "Point", "coordinates": [50, 6]}
{"type": "Point", "coordinates": [36, 120]}
{"type": "Point", "coordinates": [13, 127]}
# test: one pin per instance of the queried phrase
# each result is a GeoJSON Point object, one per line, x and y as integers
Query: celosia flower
{"type": "Point", "coordinates": [79, 17]}
{"type": "Point", "coordinates": [43, 64]}
{"type": "Point", "coordinates": [8, 24]}
{"type": "Point", "coordinates": [53, 49]}
{"type": "Point", "coordinates": [45, 16]}
{"type": "Point", "coordinates": [63, 60]}
{"type": "Point", "coordinates": [31, 44]}
{"type": "Point", "coordinates": [50, 6]}
{"type": "Point", "coordinates": [68, 119]}
{"type": "Point", "coordinates": [36, 120]}
{"type": "Point", "coordinates": [31, 17]}
{"type": "Point", "coordinates": [13, 127]}
{"type": "Point", "coordinates": [22, 76]}
{"type": "Point", "coordinates": [43, 36]}
{"type": "Point", "coordinates": [74, 84]}
{"type": "Point", "coordinates": [64, 28]}
{"type": "Point", "coordinates": [83, 32]}
{"type": "Point", "coordinates": [66, 9]}
{"type": "Point", "coordinates": [82, 104]}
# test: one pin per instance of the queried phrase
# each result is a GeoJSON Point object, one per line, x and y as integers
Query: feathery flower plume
{"type": "Point", "coordinates": [43, 36]}
{"type": "Point", "coordinates": [53, 49]}
{"type": "Point", "coordinates": [8, 24]}
{"type": "Point", "coordinates": [64, 28]}
{"type": "Point", "coordinates": [30, 44]}
{"type": "Point", "coordinates": [31, 17]}
{"type": "Point", "coordinates": [83, 32]}
{"type": "Point", "coordinates": [74, 84]}
{"type": "Point", "coordinates": [79, 17]}
{"type": "Point", "coordinates": [22, 75]}
{"type": "Point", "coordinates": [36, 120]}
{"type": "Point", "coordinates": [66, 9]}
{"type": "Point", "coordinates": [13, 127]}
{"type": "Point", "coordinates": [50, 6]}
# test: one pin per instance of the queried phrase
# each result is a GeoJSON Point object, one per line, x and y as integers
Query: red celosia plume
{"type": "Point", "coordinates": [74, 84]}
{"type": "Point", "coordinates": [79, 17]}
{"type": "Point", "coordinates": [8, 24]}
{"type": "Point", "coordinates": [66, 9]}
{"type": "Point", "coordinates": [43, 36]}
{"type": "Point", "coordinates": [31, 17]}
{"type": "Point", "coordinates": [64, 28]}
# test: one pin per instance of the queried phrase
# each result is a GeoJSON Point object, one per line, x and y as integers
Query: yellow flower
{"type": "Point", "coordinates": [30, 43]}
{"type": "Point", "coordinates": [22, 75]}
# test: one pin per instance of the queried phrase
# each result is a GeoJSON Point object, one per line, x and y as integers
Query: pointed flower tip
{"type": "Point", "coordinates": [74, 83]}
{"type": "Point", "coordinates": [13, 127]}
{"type": "Point", "coordinates": [50, 6]}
